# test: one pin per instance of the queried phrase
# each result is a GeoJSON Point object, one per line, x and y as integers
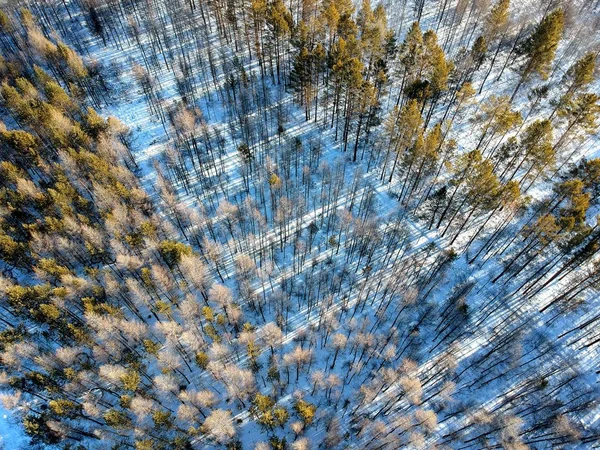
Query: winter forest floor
{"type": "Point", "coordinates": [401, 323]}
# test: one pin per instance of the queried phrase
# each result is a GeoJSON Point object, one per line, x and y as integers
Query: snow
{"type": "Point", "coordinates": [12, 436]}
{"type": "Point", "coordinates": [490, 308]}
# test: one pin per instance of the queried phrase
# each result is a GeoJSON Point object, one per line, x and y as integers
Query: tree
{"type": "Point", "coordinates": [222, 296]}
{"type": "Point", "coordinates": [219, 426]}
{"type": "Point", "coordinates": [238, 382]}
{"type": "Point", "coordinates": [195, 273]}
{"type": "Point", "coordinates": [421, 160]}
{"type": "Point", "coordinates": [483, 190]}
{"type": "Point", "coordinates": [540, 47]}
{"type": "Point", "coordinates": [298, 357]}
{"type": "Point", "coordinates": [173, 251]}
{"type": "Point", "coordinates": [411, 54]}
{"type": "Point", "coordinates": [436, 71]}
{"type": "Point", "coordinates": [496, 117]}
{"type": "Point", "coordinates": [478, 52]}
{"type": "Point", "coordinates": [306, 411]}
{"type": "Point", "coordinates": [338, 342]}
{"type": "Point", "coordinates": [112, 331]}
{"type": "Point", "coordinates": [579, 76]}
{"type": "Point", "coordinates": [366, 103]}
{"type": "Point", "coordinates": [427, 419]}
{"type": "Point", "coordinates": [496, 25]}
{"type": "Point", "coordinates": [579, 114]}
{"type": "Point", "coordinates": [117, 419]}
{"type": "Point", "coordinates": [334, 436]}
{"type": "Point", "coordinates": [272, 336]}
{"type": "Point", "coordinates": [412, 388]}
{"type": "Point", "coordinates": [471, 170]}
{"type": "Point", "coordinates": [534, 153]}
{"type": "Point", "coordinates": [496, 20]}
{"type": "Point", "coordinates": [346, 74]}
{"type": "Point", "coordinates": [280, 23]}
{"type": "Point", "coordinates": [301, 79]}
{"type": "Point", "coordinates": [267, 413]}
{"type": "Point", "coordinates": [301, 444]}
{"type": "Point", "coordinates": [402, 129]}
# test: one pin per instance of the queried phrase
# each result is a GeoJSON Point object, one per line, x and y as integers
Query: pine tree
{"type": "Point", "coordinates": [534, 153]}
{"type": "Point", "coordinates": [301, 79]}
{"type": "Point", "coordinates": [346, 73]}
{"type": "Point", "coordinates": [439, 71]}
{"type": "Point", "coordinates": [579, 76]}
{"type": "Point", "coordinates": [540, 47]}
{"type": "Point", "coordinates": [112, 330]}
{"type": "Point", "coordinates": [497, 117]}
{"type": "Point", "coordinates": [481, 188]}
{"type": "Point", "coordinates": [496, 27]}
{"type": "Point", "coordinates": [426, 158]}
{"type": "Point", "coordinates": [579, 114]}
{"type": "Point", "coordinates": [478, 52]}
{"type": "Point", "coordinates": [281, 24]}
{"type": "Point", "coordinates": [403, 127]}
{"type": "Point", "coordinates": [496, 20]}
{"type": "Point", "coordinates": [367, 102]}
{"type": "Point", "coordinates": [410, 55]}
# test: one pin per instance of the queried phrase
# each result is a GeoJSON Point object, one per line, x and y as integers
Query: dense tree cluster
{"type": "Point", "coordinates": [364, 226]}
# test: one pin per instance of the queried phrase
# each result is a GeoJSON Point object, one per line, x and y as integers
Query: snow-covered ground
{"type": "Point", "coordinates": [12, 436]}
{"type": "Point", "coordinates": [489, 315]}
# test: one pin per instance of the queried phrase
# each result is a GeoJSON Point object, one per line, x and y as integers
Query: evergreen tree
{"type": "Point", "coordinates": [540, 47]}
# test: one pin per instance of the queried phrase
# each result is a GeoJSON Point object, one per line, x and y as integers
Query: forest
{"type": "Point", "coordinates": [299, 224]}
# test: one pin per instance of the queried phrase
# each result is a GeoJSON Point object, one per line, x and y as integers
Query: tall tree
{"type": "Point", "coordinates": [403, 127]}
{"type": "Point", "coordinates": [495, 29]}
{"type": "Point", "coordinates": [539, 49]}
